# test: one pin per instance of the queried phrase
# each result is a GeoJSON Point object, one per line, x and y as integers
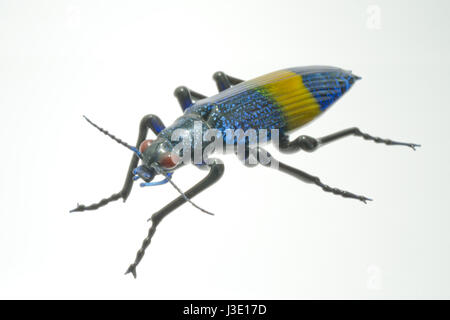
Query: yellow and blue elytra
{"type": "Point", "coordinates": [283, 100]}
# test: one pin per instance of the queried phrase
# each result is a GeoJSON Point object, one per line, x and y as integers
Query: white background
{"type": "Point", "coordinates": [273, 236]}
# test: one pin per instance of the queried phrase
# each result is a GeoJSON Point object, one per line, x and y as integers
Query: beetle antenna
{"type": "Point", "coordinates": [187, 199]}
{"type": "Point", "coordinates": [169, 178]}
{"type": "Point", "coordinates": [134, 149]}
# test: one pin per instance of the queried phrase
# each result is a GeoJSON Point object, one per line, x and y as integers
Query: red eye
{"type": "Point", "coordinates": [169, 160]}
{"type": "Point", "coordinates": [144, 145]}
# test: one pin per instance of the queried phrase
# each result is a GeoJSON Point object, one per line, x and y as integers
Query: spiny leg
{"type": "Point", "coordinates": [224, 81]}
{"type": "Point", "coordinates": [215, 173]}
{"type": "Point", "coordinates": [310, 144]}
{"type": "Point", "coordinates": [259, 155]}
{"type": "Point", "coordinates": [148, 122]}
{"type": "Point", "coordinates": [186, 97]}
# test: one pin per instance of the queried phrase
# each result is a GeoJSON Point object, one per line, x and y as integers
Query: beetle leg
{"type": "Point", "coordinates": [224, 81]}
{"type": "Point", "coordinates": [148, 122]}
{"type": "Point", "coordinates": [215, 173]}
{"type": "Point", "coordinates": [310, 144]}
{"type": "Point", "coordinates": [186, 97]}
{"type": "Point", "coordinates": [266, 159]}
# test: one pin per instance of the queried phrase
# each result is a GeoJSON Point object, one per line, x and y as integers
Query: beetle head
{"type": "Point", "coordinates": [158, 155]}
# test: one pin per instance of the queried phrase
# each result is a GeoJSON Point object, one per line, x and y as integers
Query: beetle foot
{"type": "Point", "coordinates": [132, 269]}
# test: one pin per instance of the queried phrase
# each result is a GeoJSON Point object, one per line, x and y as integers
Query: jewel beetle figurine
{"type": "Point", "coordinates": [270, 107]}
